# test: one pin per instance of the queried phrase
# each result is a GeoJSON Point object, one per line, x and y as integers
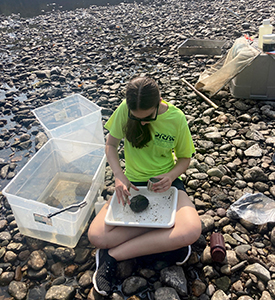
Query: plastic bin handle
{"type": "Point", "coordinates": [80, 205]}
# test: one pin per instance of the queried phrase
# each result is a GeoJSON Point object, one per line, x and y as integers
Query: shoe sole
{"type": "Point", "coordinates": [103, 293]}
{"type": "Point", "coordinates": [186, 258]}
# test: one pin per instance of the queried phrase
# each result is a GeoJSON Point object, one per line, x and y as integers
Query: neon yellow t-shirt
{"type": "Point", "coordinates": [170, 132]}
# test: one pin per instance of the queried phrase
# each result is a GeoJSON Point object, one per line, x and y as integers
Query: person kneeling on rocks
{"type": "Point", "coordinates": [154, 132]}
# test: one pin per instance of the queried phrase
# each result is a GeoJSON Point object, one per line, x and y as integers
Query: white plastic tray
{"type": "Point", "coordinates": [160, 213]}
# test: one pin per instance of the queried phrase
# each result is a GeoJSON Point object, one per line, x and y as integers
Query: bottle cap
{"type": "Point", "coordinates": [100, 199]}
{"type": "Point", "coordinates": [269, 37]}
{"type": "Point", "coordinates": [266, 22]}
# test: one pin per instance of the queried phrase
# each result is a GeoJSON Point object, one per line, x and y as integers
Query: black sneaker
{"type": "Point", "coordinates": [178, 257]}
{"type": "Point", "coordinates": [105, 270]}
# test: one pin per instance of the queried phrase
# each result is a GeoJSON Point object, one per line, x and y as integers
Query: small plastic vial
{"type": "Point", "coordinates": [99, 204]}
{"type": "Point", "coordinates": [265, 28]}
{"type": "Point", "coordinates": [150, 183]}
{"type": "Point", "coordinates": [217, 246]}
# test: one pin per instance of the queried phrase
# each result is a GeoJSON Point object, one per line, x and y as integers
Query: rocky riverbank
{"type": "Point", "coordinates": [95, 51]}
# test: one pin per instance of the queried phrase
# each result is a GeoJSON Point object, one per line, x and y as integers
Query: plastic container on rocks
{"type": "Point", "coordinates": [269, 42]}
{"type": "Point", "coordinates": [74, 118]}
{"type": "Point", "coordinates": [99, 204]}
{"type": "Point", "coordinates": [265, 28]}
{"type": "Point", "coordinates": [53, 196]}
{"type": "Point", "coordinates": [256, 81]}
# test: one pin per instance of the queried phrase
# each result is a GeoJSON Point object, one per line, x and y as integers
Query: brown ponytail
{"type": "Point", "coordinates": [141, 93]}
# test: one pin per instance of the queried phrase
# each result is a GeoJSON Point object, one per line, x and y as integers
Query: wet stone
{"type": "Point", "coordinates": [18, 274]}
{"type": "Point", "coordinates": [40, 140]}
{"type": "Point", "coordinates": [37, 275]}
{"type": "Point", "coordinates": [126, 268]}
{"type": "Point", "coordinates": [210, 272]}
{"type": "Point", "coordinates": [5, 236]}
{"type": "Point", "coordinates": [207, 223]}
{"type": "Point", "coordinates": [59, 280]}
{"type": "Point", "coordinates": [70, 270]}
{"type": "Point", "coordinates": [175, 278]}
{"type": "Point", "coordinates": [245, 297]}
{"type": "Point", "coordinates": [64, 254]}
{"type": "Point", "coordinates": [60, 292]}
{"type": "Point", "coordinates": [242, 251]}
{"type": "Point", "coordinates": [10, 257]}
{"type": "Point", "coordinates": [24, 137]}
{"type": "Point", "coordinates": [198, 287]}
{"type": "Point", "coordinates": [58, 268]}
{"type": "Point", "coordinates": [271, 287]}
{"type": "Point", "coordinates": [25, 145]}
{"type": "Point", "coordinates": [37, 292]}
{"type": "Point", "coordinates": [37, 260]}
{"type": "Point", "coordinates": [223, 283]}
{"type": "Point", "coordinates": [164, 293]}
{"type": "Point", "coordinates": [254, 151]}
{"type": "Point", "coordinates": [4, 171]}
{"type": "Point", "coordinates": [272, 236]}
{"type": "Point", "coordinates": [133, 285]}
{"type": "Point", "coordinates": [231, 258]}
{"type": "Point", "coordinates": [216, 172]}
{"type": "Point", "coordinates": [266, 296]}
{"type": "Point", "coordinates": [86, 279]}
{"type": "Point", "coordinates": [259, 271]}
{"type": "Point", "coordinates": [34, 244]}
{"type": "Point", "coordinates": [18, 290]}
{"type": "Point", "coordinates": [147, 273]}
{"type": "Point", "coordinates": [226, 270]}
{"type": "Point", "coordinates": [2, 252]}
{"type": "Point", "coordinates": [3, 224]}
{"type": "Point", "coordinates": [230, 240]}
{"type": "Point", "coordinates": [93, 295]}
{"type": "Point", "coordinates": [24, 255]}
{"type": "Point", "coordinates": [206, 256]}
{"type": "Point", "coordinates": [255, 174]}
{"type": "Point", "coordinates": [6, 278]}
{"type": "Point", "coordinates": [49, 250]}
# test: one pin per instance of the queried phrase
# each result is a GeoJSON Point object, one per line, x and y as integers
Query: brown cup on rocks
{"type": "Point", "coordinates": [217, 246]}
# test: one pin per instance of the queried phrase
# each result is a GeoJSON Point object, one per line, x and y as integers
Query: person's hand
{"type": "Point", "coordinates": [163, 185]}
{"type": "Point", "coordinates": [122, 190]}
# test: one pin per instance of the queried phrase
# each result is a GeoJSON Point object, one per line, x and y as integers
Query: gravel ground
{"type": "Point", "coordinates": [95, 51]}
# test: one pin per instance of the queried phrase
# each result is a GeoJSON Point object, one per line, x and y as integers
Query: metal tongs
{"type": "Point", "coordinates": [79, 205]}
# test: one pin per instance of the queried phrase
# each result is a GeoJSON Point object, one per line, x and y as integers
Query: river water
{"type": "Point", "coordinates": [30, 8]}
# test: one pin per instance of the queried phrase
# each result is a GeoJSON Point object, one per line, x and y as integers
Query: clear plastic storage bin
{"type": "Point", "coordinates": [74, 118]}
{"type": "Point", "coordinates": [53, 196]}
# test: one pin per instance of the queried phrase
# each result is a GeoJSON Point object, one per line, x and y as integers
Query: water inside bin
{"type": "Point", "coordinates": [66, 189]}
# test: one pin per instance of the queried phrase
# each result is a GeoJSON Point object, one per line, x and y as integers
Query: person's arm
{"type": "Point", "coordinates": [122, 184]}
{"type": "Point", "coordinates": [180, 167]}
{"type": "Point", "coordinates": [166, 179]}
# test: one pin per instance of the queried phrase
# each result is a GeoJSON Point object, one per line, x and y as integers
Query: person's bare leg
{"type": "Point", "coordinates": [106, 236]}
{"type": "Point", "coordinates": [125, 243]}
{"type": "Point", "coordinates": [186, 231]}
